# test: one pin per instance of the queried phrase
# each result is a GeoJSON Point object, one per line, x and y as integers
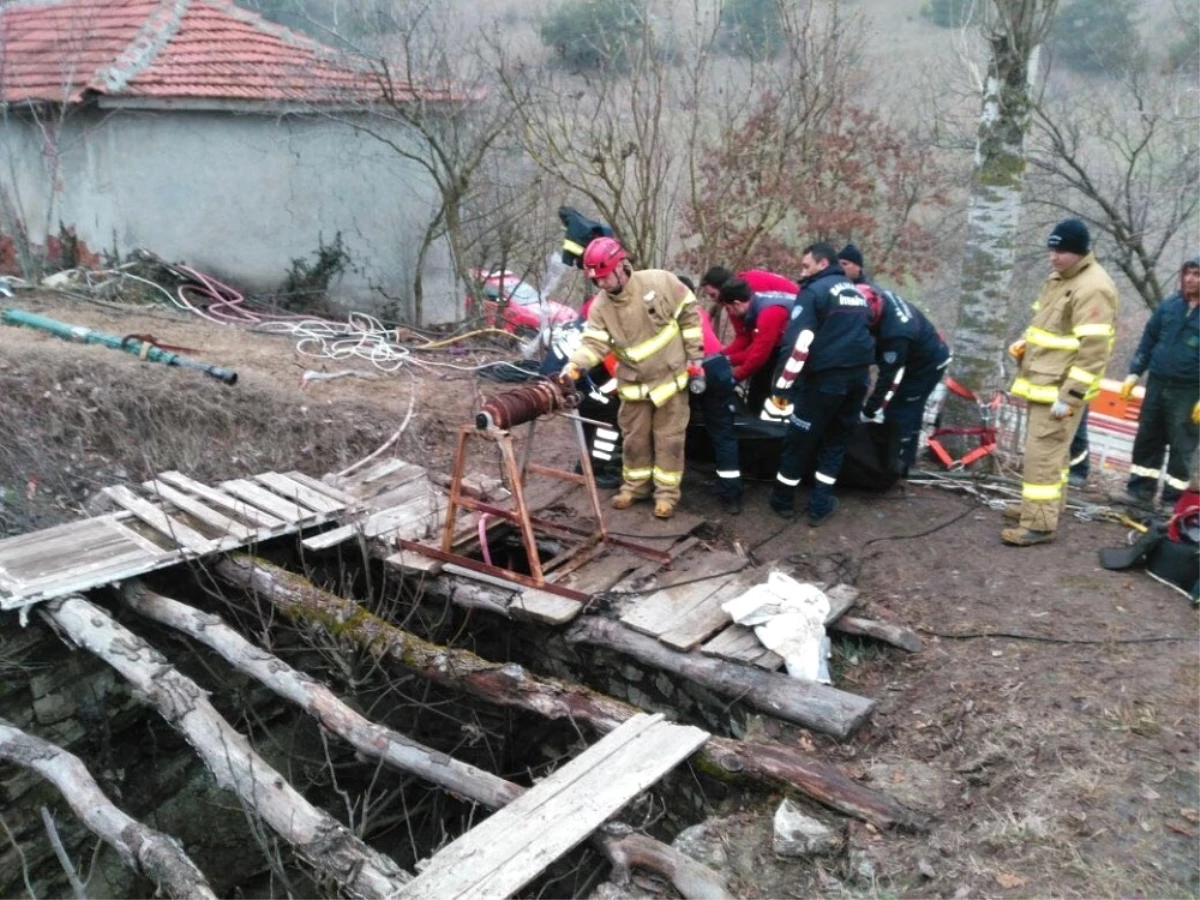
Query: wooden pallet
{"type": "Point", "coordinates": [512, 847]}
{"type": "Point", "coordinates": [169, 519]}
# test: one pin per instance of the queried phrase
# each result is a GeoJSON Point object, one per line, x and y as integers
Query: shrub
{"type": "Point", "coordinates": [953, 13]}
{"type": "Point", "coordinates": [1097, 36]}
{"type": "Point", "coordinates": [751, 28]}
{"type": "Point", "coordinates": [595, 34]}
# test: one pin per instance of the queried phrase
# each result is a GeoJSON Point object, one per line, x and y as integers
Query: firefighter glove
{"type": "Point", "coordinates": [696, 381]}
{"type": "Point", "coordinates": [1017, 349]}
{"type": "Point", "coordinates": [572, 372]}
{"type": "Point", "coordinates": [1128, 385]}
{"type": "Point", "coordinates": [776, 409]}
{"type": "Point", "coordinates": [1060, 409]}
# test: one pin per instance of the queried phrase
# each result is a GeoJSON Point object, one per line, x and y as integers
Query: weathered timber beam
{"type": "Point", "coordinates": [896, 635]}
{"type": "Point", "coordinates": [319, 701]}
{"type": "Point", "coordinates": [507, 684]}
{"type": "Point", "coordinates": [317, 838]}
{"type": "Point", "coordinates": [141, 848]}
{"type": "Point", "coordinates": [816, 706]}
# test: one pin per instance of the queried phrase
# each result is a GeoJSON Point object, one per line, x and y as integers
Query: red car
{"type": "Point", "coordinates": [516, 306]}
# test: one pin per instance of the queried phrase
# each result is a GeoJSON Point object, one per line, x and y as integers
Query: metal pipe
{"type": "Point", "coordinates": [139, 348]}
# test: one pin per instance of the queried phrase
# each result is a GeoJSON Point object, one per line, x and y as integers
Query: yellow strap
{"type": "Point", "coordinates": [664, 392]}
{"type": "Point", "coordinates": [693, 334]}
{"type": "Point", "coordinates": [571, 247]}
{"type": "Point", "coordinates": [1038, 393]}
{"type": "Point", "coordinates": [597, 334]}
{"type": "Point", "coordinates": [1094, 331]}
{"type": "Point", "coordinates": [1083, 376]}
{"type": "Point", "coordinates": [1039, 337]}
{"type": "Point", "coordinates": [649, 347]}
{"type": "Point", "coordinates": [1041, 492]}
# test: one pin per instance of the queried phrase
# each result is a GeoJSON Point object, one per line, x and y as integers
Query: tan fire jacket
{"type": "Point", "coordinates": [1071, 337]}
{"type": "Point", "coordinates": [653, 328]}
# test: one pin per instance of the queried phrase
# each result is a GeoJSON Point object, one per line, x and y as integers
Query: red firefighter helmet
{"type": "Point", "coordinates": [602, 256]}
{"type": "Point", "coordinates": [874, 302]}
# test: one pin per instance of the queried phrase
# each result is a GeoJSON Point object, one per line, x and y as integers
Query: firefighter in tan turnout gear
{"type": "Point", "coordinates": [1063, 355]}
{"type": "Point", "coordinates": [649, 320]}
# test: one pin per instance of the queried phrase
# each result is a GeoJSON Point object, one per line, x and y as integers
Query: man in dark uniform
{"type": "Point", "coordinates": [1170, 352]}
{"type": "Point", "coordinates": [912, 359]}
{"type": "Point", "coordinates": [821, 383]}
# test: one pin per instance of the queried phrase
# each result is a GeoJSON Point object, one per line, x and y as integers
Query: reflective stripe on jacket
{"type": "Point", "coordinates": [1068, 343]}
{"type": "Point", "coordinates": [653, 327]}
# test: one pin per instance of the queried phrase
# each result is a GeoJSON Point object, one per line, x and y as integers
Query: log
{"type": "Point", "coordinates": [896, 635]}
{"type": "Point", "coordinates": [319, 701]}
{"type": "Point", "coordinates": [344, 622]}
{"type": "Point", "coordinates": [692, 879]}
{"type": "Point", "coordinates": [140, 848]}
{"type": "Point", "coordinates": [815, 706]}
{"type": "Point", "coordinates": [317, 838]}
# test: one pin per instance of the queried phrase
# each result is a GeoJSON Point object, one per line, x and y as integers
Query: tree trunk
{"type": "Point", "coordinates": [319, 701]}
{"type": "Point", "coordinates": [319, 839]}
{"type": "Point", "coordinates": [997, 180]}
{"type": "Point", "coordinates": [345, 622]}
{"type": "Point", "coordinates": [141, 848]}
{"type": "Point", "coordinates": [816, 706]}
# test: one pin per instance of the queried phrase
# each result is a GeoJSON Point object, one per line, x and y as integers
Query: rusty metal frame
{"type": "Point", "coordinates": [515, 475]}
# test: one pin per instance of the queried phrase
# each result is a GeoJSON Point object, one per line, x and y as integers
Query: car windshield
{"type": "Point", "coordinates": [524, 295]}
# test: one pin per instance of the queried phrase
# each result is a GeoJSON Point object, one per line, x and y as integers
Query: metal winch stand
{"type": "Point", "coordinates": [514, 475]}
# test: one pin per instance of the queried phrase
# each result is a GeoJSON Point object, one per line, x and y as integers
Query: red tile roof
{"type": "Point", "coordinates": [64, 50]}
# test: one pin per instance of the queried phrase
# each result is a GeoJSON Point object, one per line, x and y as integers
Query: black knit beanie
{"type": "Point", "coordinates": [1070, 236]}
{"type": "Point", "coordinates": [850, 253]}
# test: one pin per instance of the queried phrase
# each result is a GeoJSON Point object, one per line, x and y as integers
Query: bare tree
{"type": "Point", "coordinates": [1125, 156]}
{"type": "Point", "coordinates": [1014, 29]}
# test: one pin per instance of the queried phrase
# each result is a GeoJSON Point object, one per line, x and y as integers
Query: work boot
{"type": "Point", "coordinates": [1025, 537]}
{"type": "Point", "coordinates": [1079, 482]}
{"type": "Point", "coordinates": [1125, 498]}
{"type": "Point", "coordinates": [664, 509]}
{"type": "Point", "coordinates": [784, 506]}
{"type": "Point", "coordinates": [815, 518]}
{"type": "Point", "coordinates": [623, 500]}
{"type": "Point", "coordinates": [731, 503]}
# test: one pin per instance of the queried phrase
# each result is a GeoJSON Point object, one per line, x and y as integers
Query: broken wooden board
{"type": "Point", "coordinates": [419, 512]}
{"type": "Point", "coordinates": [527, 603]}
{"type": "Point", "coordinates": [512, 847]}
{"type": "Point", "coordinates": [741, 644]}
{"type": "Point", "coordinates": [684, 597]}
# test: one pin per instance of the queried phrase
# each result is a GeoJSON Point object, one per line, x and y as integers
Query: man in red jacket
{"type": "Point", "coordinates": [759, 305]}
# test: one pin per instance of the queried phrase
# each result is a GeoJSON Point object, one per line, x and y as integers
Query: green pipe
{"type": "Point", "coordinates": [137, 347]}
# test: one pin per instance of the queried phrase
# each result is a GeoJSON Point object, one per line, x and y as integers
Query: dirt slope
{"type": "Point", "coordinates": [1050, 722]}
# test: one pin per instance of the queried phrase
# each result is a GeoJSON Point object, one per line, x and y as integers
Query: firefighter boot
{"type": "Point", "coordinates": [783, 501]}
{"type": "Point", "coordinates": [664, 509]}
{"type": "Point", "coordinates": [1025, 537]}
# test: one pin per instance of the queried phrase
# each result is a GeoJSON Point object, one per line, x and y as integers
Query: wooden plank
{"type": "Point", "coordinates": [293, 490]}
{"type": "Point", "coordinates": [669, 606]}
{"type": "Point", "coordinates": [181, 534]}
{"type": "Point", "coordinates": [385, 522]}
{"type": "Point", "coordinates": [327, 489]}
{"type": "Point", "coordinates": [740, 644]}
{"type": "Point", "coordinates": [73, 583]}
{"type": "Point", "coordinates": [194, 507]}
{"type": "Point", "coordinates": [541, 606]}
{"type": "Point", "coordinates": [601, 573]}
{"type": "Point", "coordinates": [92, 545]}
{"type": "Point", "coordinates": [288, 510]}
{"type": "Point", "coordinates": [238, 507]}
{"type": "Point", "coordinates": [707, 617]}
{"type": "Point", "coordinates": [413, 489]}
{"type": "Point", "coordinates": [509, 849]}
{"type": "Point", "coordinates": [416, 563]}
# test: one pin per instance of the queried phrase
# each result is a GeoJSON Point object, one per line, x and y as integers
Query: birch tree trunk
{"type": "Point", "coordinates": [320, 840]}
{"type": "Point", "coordinates": [1015, 29]}
{"type": "Point", "coordinates": [142, 849]}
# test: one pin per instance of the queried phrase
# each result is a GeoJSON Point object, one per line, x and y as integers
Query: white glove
{"type": "Point", "coordinates": [1060, 410]}
{"type": "Point", "coordinates": [776, 409]}
{"type": "Point", "coordinates": [877, 418]}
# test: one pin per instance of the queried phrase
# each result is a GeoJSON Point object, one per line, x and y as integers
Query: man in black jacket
{"type": "Point", "coordinates": [912, 359]}
{"type": "Point", "coordinates": [821, 383]}
{"type": "Point", "coordinates": [1170, 351]}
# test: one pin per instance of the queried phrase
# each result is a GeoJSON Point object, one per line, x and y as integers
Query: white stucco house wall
{"type": "Point", "coordinates": [207, 135]}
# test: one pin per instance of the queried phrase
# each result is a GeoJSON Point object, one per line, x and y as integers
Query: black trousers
{"type": "Point", "coordinates": [1165, 421]}
{"type": "Point", "coordinates": [907, 412]}
{"type": "Point", "coordinates": [717, 403]}
{"type": "Point", "coordinates": [826, 411]}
